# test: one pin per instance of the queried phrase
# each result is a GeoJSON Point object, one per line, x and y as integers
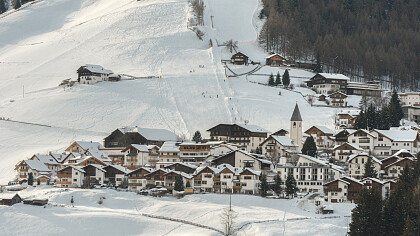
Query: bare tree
{"type": "Point", "coordinates": [198, 8]}
{"type": "Point", "coordinates": [231, 45]}
{"type": "Point", "coordinates": [273, 157]}
{"type": "Point", "coordinates": [228, 218]}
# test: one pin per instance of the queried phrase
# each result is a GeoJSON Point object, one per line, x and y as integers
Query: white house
{"type": "Point", "coordinates": [343, 151]}
{"type": "Point", "coordinates": [71, 176]}
{"type": "Point", "coordinates": [92, 74]}
{"type": "Point", "coordinates": [357, 163]}
{"type": "Point", "coordinates": [388, 142]}
{"type": "Point", "coordinates": [49, 161]}
{"type": "Point", "coordinates": [36, 167]}
{"type": "Point", "coordinates": [136, 156]}
{"type": "Point", "coordinates": [279, 146]}
{"type": "Point", "coordinates": [363, 139]}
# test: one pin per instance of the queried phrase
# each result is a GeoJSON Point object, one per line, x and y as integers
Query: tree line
{"type": "Point", "coordinates": [398, 214]}
{"type": "Point", "coordinates": [366, 40]}
{"type": "Point", "coordinates": [16, 4]}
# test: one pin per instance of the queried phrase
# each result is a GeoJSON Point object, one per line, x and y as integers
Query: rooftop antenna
{"type": "Point", "coordinates": [246, 121]}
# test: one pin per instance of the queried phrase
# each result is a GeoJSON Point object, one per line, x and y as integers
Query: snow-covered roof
{"type": "Point", "coordinates": [122, 169]}
{"type": "Point", "coordinates": [6, 195]}
{"type": "Point", "coordinates": [351, 145]}
{"type": "Point", "coordinates": [200, 168]}
{"type": "Point", "coordinates": [324, 129]}
{"type": "Point", "coordinates": [399, 135]}
{"type": "Point", "coordinates": [78, 168]}
{"type": "Point", "coordinates": [184, 164]}
{"type": "Point", "coordinates": [351, 157]}
{"type": "Point", "coordinates": [373, 179]}
{"type": "Point", "coordinates": [46, 159]}
{"type": "Point", "coordinates": [141, 148]}
{"type": "Point", "coordinates": [401, 151]}
{"type": "Point", "coordinates": [93, 149]}
{"type": "Point", "coordinates": [169, 147]}
{"type": "Point", "coordinates": [152, 134]}
{"type": "Point", "coordinates": [352, 179]}
{"type": "Point", "coordinates": [284, 141]}
{"type": "Point", "coordinates": [275, 54]}
{"type": "Point", "coordinates": [349, 112]}
{"type": "Point", "coordinates": [37, 165]}
{"type": "Point", "coordinates": [334, 76]}
{"type": "Point", "coordinates": [253, 128]}
{"type": "Point", "coordinates": [183, 174]}
{"type": "Point", "coordinates": [99, 167]}
{"type": "Point", "coordinates": [97, 69]}
{"type": "Point", "coordinates": [59, 157]}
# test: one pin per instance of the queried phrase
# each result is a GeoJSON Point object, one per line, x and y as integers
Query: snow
{"type": "Point", "coordinates": [284, 140]}
{"type": "Point", "coordinates": [169, 147]}
{"type": "Point", "coordinates": [334, 76]}
{"type": "Point", "coordinates": [37, 165]}
{"type": "Point", "coordinates": [46, 159]}
{"type": "Point", "coordinates": [97, 69]}
{"type": "Point", "coordinates": [141, 148]}
{"type": "Point", "coordinates": [152, 134]}
{"type": "Point", "coordinates": [399, 135]}
{"type": "Point", "coordinates": [125, 210]}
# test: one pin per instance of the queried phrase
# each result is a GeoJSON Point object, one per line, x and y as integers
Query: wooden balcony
{"type": "Point", "coordinates": [23, 176]}
{"type": "Point", "coordinates": [63, 182]}
{"type": "Point", "coordinates": [237, 187]}
{"type": "Point", "coordinates": [135, 184]}
{"type": "Point", "coordinates": [216, 179]}
{"type": "Point", "coordinates": [63, 176]}
{"type": "Point", "coordinates": [198, 178]}
{"type": "Point", "coordinates": [217, 186]}
{"type": "Point", "coordinates": [23, 170]}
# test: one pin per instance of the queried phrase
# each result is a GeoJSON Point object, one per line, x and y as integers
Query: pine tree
{"type": "Point", "coordinates": [361, 121]}
{"type": "Point", "coordinates": [384, 122]}
{"type": "Point", "coordinates": [395, 110]}
{"type": "Point", "coordinates": [2, 6]}
{"type": "Point", "coordinates": [179, 184]}
{"type": "Point", "coordinates": [277, 184]}
{"type": "Point", "coordinates": [309, 147]}
{"type": "Point", "coordinates": [370, 169]}
{"type": "Point", "coordinates": [16, 4]}
{"type": "Point", "coordinates": [408, 228]}
{"type": "Point", "coordinates": [264, 185]}
{"type": "Point", "coordinates": [371, 117]}
{"type": "Point", "coordinates": [188, 185]}
{"type": "Point", "coordinates": [30, 179]}
{"type": "Point", "coordinates": [291, 187]}
{"type": "Point", "coordinates": [318, 67]}
{"type": "Point", "coordinates": [286, 78]}
{"type": "Point", "coordinates": [197, 137]}
{"type": "Point", "coordinates": [278, 80]}
{"type": "Point", "coordinates": [367, 215]}
{"type": "Point", "coordinates": [38, 182]}
{"type": "Point", "coordinates": [271, 80]}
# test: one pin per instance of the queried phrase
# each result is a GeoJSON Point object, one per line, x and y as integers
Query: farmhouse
{"type": "Point", "coordinates": [89, 149]}
{"type": "Point", "coordinates": [239, 59]}
{"type": "Point", "coordinates": [92, 74]}
{"type": "Point", "coordinates": [71, 176]}
{"type": "Point", "coordinates": [357, 164]}
{"type": "Point", "coordinates": [326, 83]}
{"type": "Point", "coordinates": [137, 179]}
{"type": "Point", "coordinates": [275, 60]}
{"type": "Point", "coordinates": [338, 99]}
{"type": "Point", "coordinates": [322, 135]}
{"type": "Point", "coordinates": [9, 199]}
{"type": "Point", "coordinates": [36, 167]}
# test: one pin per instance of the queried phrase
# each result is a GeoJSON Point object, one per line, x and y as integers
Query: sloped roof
{"type": "Point", "coordinates": [334, 76]}
{"type": "Point", "coordinates": [373, 179]}
{"type": "Point", "coordinates": [46, 159]}
{"type": "Point", "coordinates": [352, 179]}
{"type": "Point", "coordinates": [284, 140]}
{"type": "Point", "coordinates": [37, 165]}
{"type": "Point", "coordinates": [183, 174]}
{"type": "Point", "coordinates": [324, 129]}
{"type": "Point", "coordinates": [351, 145]}
{"type": "Point", "coordinates": [296, 114]}
{"type": "Point", "coordinates": [141, 148]}
{"type": "Point", "coordinates": [351, 157]}
{"type": "Point", "coordinates": [169, 147]}
{"type": "Point", "coordinates": [97, 69]}
{"type": "Point", "coordinates": [399, 135]}
{"type": "Point", "coordinates": [152, 134]}
{"type": "Point", "coordinates": [99, 167]}
{"type": "Point", "coordinates": [59, 157]}
{"type": "Point", "coordinates": [275, 54]}
{"type": "Point", "coordinates": [184, 164]}
{"type": "Point", "coordinates": [253, 128]}
{"type": "Point", "coordinates": [122, 169]}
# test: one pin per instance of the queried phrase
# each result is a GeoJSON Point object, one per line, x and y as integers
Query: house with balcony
{"type": "Point", "coordinates": [327, 83]}
{"type": "Point", "coordinates": [136, 156]}
{"type": "Point", "coordinates": [357, 162]}
{"type": "Point", "coordinates": [396, 168]}
{"type": "Point", "coordinates": [182, 167]}
{"type": "Point", "coordinates": [341, 136]}
{"type": "Point", "coordinates": [36, 167]}
{"type": "Point", "coordinates": [388, 142]}
{"type": "Point", "coordinates": [115, 175]}
{"type": "Point", "coordinates": [338, 99]}
{"type": "Point", "coordinates": [194, 152]}
{"type": "Point", "coordinates": [156, 178]}
{"type": "Point", "coordinates": [243, 159]}
{"type": "Point", "coordinates": [94, 174]}
{"type": "Point", "coordinates": [207, 179]}
{"type": "Point", "coordinates": [115, 154]}
{"type": "Point", "coordinates": [171, 176]}
{"type": "Point", "coordinates": [344, 151]}
{"type": "Point", "coordinates": [137, 178]}
{"type": "Point", "coordinates": [323, 136]}
{"type": "Point", "coordinates": [89, 149]}
{"type": "Point", "coordinates": [70, 177]}
{"type": "Point", "coordinates": [346, 119]}
{"type": "Point", "coordinates": [281, 147]}
{"type": "Point", "coordinates": [363, 139]}
{"type": "Point", "coordinates": [344, 189]}
{"type": "Point", "coordinates": [49, 161]}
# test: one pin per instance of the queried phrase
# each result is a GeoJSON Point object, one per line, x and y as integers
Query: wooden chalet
{"type": "Point", "coordinates": [343, 189]}
{"type": "Point", "coordinates": [123, 137]}
{"type": "Point", "coordinates": [156, 178]}
{"type": "Point", "coordinates": [183, 167]}
{"type": "Point", "coordinates": [137, 178]}
{"type": "Point", "coordinates": [9, 199]}
{"type": "Point", "coordinates": [275, 60]}
{"type": "Point", "coordinates": [338, 99]}
{"type": "Point", "coordinates": [115, 174]}
{"type": "Point", "coordinates": [242, 159]}
{"type": "Point", "coordinates": [239, 59]}
{"type": "Point", "coordinates": [341, 137]}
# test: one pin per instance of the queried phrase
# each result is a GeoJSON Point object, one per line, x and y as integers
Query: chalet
{"type": "Point", "coordinates": [311, 173]}
{"type": "Point", "coordinates": [125, 136]}
{"type": "Point", "coordinates": [171, 177]}
{"type": "Point", "coordinates": [42, 179]}
{"type": "Point", "coordinates": [322, 98]}
{"type": "Point", "coordinates": [239, 59]}
{"type": "Point", "coordinates": [395, 169]}
{"type": "Point", "coordinates": [388, 142]}
{"type": "Point", "coordinates": [207, 179]}
{"type": "Point", "coordinates": [344, 151]}
{"type": "Point", "coordinates": [326, 83]}
{"type": "Point", "coordinates": [342, 136]}
{"type": "Point", "coordinates": [357, 163]}
{"type": "Point", "coordinates": [156, 178]}
{"type": "Point", "coordinates": [114, 77]}
{"type": "Point", "coordinates": [344, 189]}
{"type": "Point", "coordinates": [60, 158]}
{"type": "Point", "coordinates": [194, 152]}
{"type": "Point", "coordinates": [115, 154]}
{"type": "Point", "coordinates": [137, 180]}
{"type": "Point", "coordinates": [275, 60]}
{"type": "Point", "coordinates": [182, 167]}
{"type": "Point", "coordinates": [347, 119]}
{"type": "Point", "coordinates": [410, 98]}
{"type": "Point", "coordinates": [249, 137]}
{"type": "Point", "coordinates": [49, 161]}
{"type": "Point", "coordinates": [9, 199]}
{"type": "Point", "coordinates": [322, 135]}
{"type": "Point", "coordinates": [281, 132]}
{"type": "Point", "coordinates": [136, 156]}
{"type": "Point", "coordinates": [84, 161]}
{"type": "Point", "coordinates": [279, 146]}
{"type": "Point", "coordinates": [89, 149]}
{"type": "Point", "coordinates": [169, 152]}
{"type": "Point", "coordinates": [363, 139]}
{"type": "Point", "coordinates": [372, 89]}
{"type": "Point", "coordinates": [71, 176]}
{"type": "Point", "coordinates": [412, 113]}
{"type": "Point", "coordinates": [115, 175]}
{"type": "Point", "coordinates": [94, 174]}
{"type": "Point", "coordinates": [36, 167]}
{"type": "Point", "coordinates": [242, 159]}
{"type": "Point", "coordinates": [92, 74]}
{"type": "Point", "coordinates": [338, 99]}
{"type": "Point", "coordinates": [222, 148]}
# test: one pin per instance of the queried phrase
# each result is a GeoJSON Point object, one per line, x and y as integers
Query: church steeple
{"type": "Point", "coordinates": [296, 127]}
{"type": "Point", "coordinates": [296, 114]}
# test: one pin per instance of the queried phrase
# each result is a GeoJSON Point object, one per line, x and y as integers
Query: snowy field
{"type": "Point", "coordinates": [47, 42]}
{"type": "Point", "coordinates": [121, 213]}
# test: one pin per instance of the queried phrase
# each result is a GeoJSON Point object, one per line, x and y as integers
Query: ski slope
{"type": "Point", "coordinates": [47, 42]}
{"type": "Point", "coordinates": [121, 214]}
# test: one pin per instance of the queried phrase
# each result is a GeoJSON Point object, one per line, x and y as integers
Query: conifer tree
{"type": "Point", "coordinates": [278, 80]}
{"type": "Point", "coordinates": [188, 185]}
{"type": "Point", "coordinates": [291, 187]}
{"type": "Point", "coordinates": [370, 169]}
{"type": "Point", "coordinates": [264, 185]}
{"type": "Point", "coordinates": [367, 215]}
{"type": "Point", "coordinates": [2, 6]}
{"type": "Point", "coordinates": [30, 179]}
{"type": "Point", "coordinates": [318, 67]}
{"type": "Point", "coordinates": [271, 80]}
{"type": "Point", "coordinates": [395, 110]}
{"type": "Point", "coordinates": [16, 4]}
{"type": "Point", "coordinates": [371, 117]}
{"type": "Point", "coordinates": [179, 184]}
{"type": "Point", "coordinates": [197, 137]}
{"type": "Point", "coordinates": [286, 78]}
{"type": "Point", "coordinates": [277, 184]}
{"type": "Point", "coordinates": [38, 182]}
{"type": "Point", "coordinates": [361, 121]}
{"type": "Point", "coordinates": [408, 228]}
{"type": "Point", "coordinates": [309, 147]}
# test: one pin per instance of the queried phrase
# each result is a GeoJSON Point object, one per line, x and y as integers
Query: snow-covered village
{"type": "Point", "coordinates": [209, 117]}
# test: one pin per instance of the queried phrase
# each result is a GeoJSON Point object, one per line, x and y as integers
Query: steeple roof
{"type": "Point", "coordinates": [296, 114]}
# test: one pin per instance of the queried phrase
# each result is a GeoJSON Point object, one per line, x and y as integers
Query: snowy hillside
{"type": "Point", "coordinates": [121, 213]}
{"type": "Point", "coordinates": [47, 42]}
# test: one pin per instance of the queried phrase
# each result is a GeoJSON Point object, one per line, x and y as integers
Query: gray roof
{"type": "Point", "coordinates": [97, 69]}
{"type": "Point", "coordinates": [296, 114]}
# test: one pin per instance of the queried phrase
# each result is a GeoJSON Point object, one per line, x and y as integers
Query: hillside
{"type": "Point", "coordinates": [47, 42]}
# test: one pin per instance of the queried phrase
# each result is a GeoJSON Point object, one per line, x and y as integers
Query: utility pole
{"type": "Point", "coordinates": [212, 26]}
{"type": "Point", "coordinates": [23, 91]}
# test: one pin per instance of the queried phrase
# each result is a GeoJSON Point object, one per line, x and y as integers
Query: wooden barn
{"type": "Point", "coordinates": [275, 60]}
{"type": "Point", "coordinates": [239, 59]}
{"type": "Point", "coordinates": [9, 199]}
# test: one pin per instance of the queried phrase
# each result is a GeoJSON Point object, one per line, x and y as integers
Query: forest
{"type": "Point", "coordinates": [363, 39]}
